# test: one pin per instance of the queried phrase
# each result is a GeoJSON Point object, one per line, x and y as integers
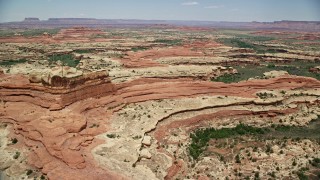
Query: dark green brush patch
{"type": "Point", "coordinates": [228, 78]}
{"type": "Point", "coordinates": [244, 73]}
{"type": "Point", "coordinates": [250, 42]}
{"type": "Point", "coordinates": [259, 38]}
{"type": "Point", "coordinates": [234, 42]}
{"type": "Point", "coordinates": [316, 162]}
{"type": "Point", "coordinates": [141, 48]}
{"type": "Point", "coordinates": [250, 37]}
{"type": "Point", "coordinates": [271, 65]}
{"type": "Point", "coordinates": [298, 68]}
{"type": "Point", "coordinates": [29, 171]}
{"type": "Point", "coordinates": [312, 131]}
{"type": "Point", "coordinates": [12, 62]}
{"type": "Point", "coordinates": [301, 174]}
{"type": "Point", "coordinates": [201, 137]}
{"type": "Point", "coordinates": [65, 59]}
{"type": "Point", "coordinates": [28, 32]}
{"type": "Point", "coordinates": [4, 33]}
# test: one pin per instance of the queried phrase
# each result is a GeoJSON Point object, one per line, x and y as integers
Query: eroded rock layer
{"type": "Point", "coordinates": [57, 93]}
{"type": "Point", "coordinates": [60, 142]}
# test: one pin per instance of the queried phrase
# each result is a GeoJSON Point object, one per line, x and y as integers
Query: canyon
{"type": "Point", "coordinates": [131, 103]}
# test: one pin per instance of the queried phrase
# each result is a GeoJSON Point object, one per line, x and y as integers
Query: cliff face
{"type": "Point", "coordinates": [58, 140]}
{"type": "Point", "coordinates": [57, 93]}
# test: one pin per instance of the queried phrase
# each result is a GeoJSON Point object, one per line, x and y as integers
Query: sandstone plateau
{"type": "Point", "coordinates": [126, 104]}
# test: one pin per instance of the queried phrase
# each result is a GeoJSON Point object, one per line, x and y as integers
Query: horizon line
{"type": "Point", "coordinates": [90, 18]}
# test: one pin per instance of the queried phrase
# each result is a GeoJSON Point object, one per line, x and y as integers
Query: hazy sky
{"type": "Point", "coordinates": [212, 10]}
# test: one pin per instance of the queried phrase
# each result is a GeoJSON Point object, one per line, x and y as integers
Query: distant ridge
{"type": "Point", "coordinates": [33, 22]}
{"type": "Point", "coordinates": [70, 19]}
{"type": "Point", "coordinates": [31, 19]}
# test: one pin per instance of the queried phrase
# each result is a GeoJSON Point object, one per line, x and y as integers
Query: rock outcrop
{"type": "Point", "coordinates": [55, 92]}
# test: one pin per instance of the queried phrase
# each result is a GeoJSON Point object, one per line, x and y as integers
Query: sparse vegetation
{"type": "Point", "coordinates": [227, 78]}
{"type": "Point", "coordinates": [238, 160]}
{"type": "Point", "coordinates": [265, 95]}
{"type": "Point", "coordinates": [12, 62]}
{"type": "Point", "coordinates": [137, 137]}
{"type": "Point", "coordinates": [301, 175]}
{"type": "Point", "coordinates": [14, 140]}
{"type": "Point", "coordinates": [29, 32]}
{"type": "Point", "coordinates": [316, 162]}
{"type": "Point", "coordinates": [94, 125]}
{"type": "Point", "coordinates": [299, 68]}
{"type": "Point", "coordinates": [66, 59]}
{"type": "Point", "coordinates": [140, 48]}
{"type": "Point", "coordinates": [248, 43]}
{"type": "Point", "coordinates": [29, 172]}
{"type": "Point", "coordinates": [236, 42]}
{"type": "Point", "coordinates": [256, 175]}
{"type": "Point", "coordinates": [201, 137]}
{"type": "Point", "coordinates": [16, 155]}
{"type": "Point", "coordinates": [270, 65]}
{"type": "Point", "coordinates": [111, 136]}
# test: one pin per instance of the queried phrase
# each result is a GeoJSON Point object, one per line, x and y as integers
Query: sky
{"type": "Point", "coordinates": [205, 10]}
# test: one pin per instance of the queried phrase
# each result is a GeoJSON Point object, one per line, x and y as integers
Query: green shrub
{"type": "Point", "coordinates": [269, 150]}
{"type": "Point", "coordinates": [16, 155]}
{"type": "Point", "coordinates": [294, 163]}
{"type": "Point", "coordinates": [29, 171]}
{"type": "Point", "coordinates": [256, 175]}
{"type": "Point", "coordinates": [14, 141]}
{"type": "Point", "coordinates": [111, 135]}
{"type": "Point", "coordinates": [137, 137]}
{"type": "Point", "coordinates": [316, 162]}
{"type": "Point", "coordinates": [302, 176]}
{"type": "Point", "coordinates": [265, 95]}
{"type": "Point", "coordinates": [66, 59]}
{"type": "Point", "coordinates": [238, 160]}
{"type": "Point", "coordinates": [271, 66]}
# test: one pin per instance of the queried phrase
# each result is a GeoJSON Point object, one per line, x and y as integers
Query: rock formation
{"type": "Point", "coordinates": [132, 107]}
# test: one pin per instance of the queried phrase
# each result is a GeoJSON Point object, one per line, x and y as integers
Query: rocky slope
{"type": "Point", "coordinates": [59, 142]}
